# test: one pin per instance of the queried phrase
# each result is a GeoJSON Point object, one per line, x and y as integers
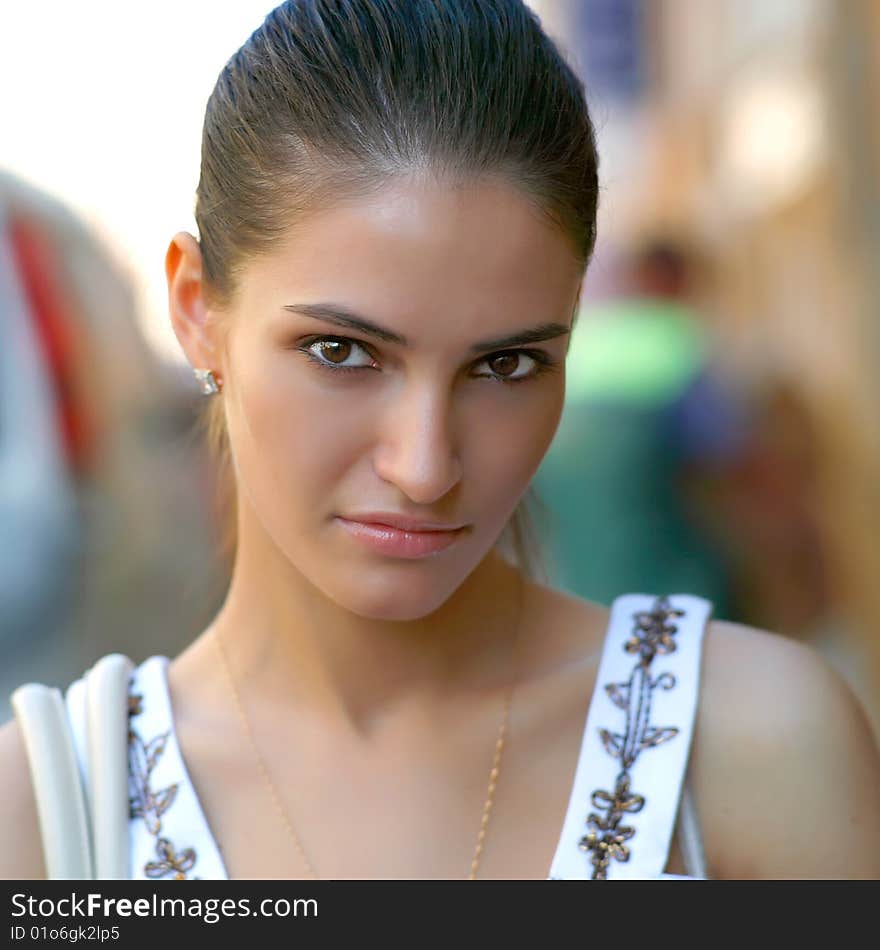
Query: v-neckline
{"type": "Point", "coordinates": [185, 823]}
{"type": "Point", "coordinates": [152, 679]}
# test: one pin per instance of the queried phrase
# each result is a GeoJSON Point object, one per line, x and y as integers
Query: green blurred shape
{"type": "Point", "coordinates": [637, 351]}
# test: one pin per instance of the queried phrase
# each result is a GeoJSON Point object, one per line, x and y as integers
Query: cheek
{"type": "Point", "coordinates": [507, 453]}
{"type": "Point", "coordinates": [293, 438]}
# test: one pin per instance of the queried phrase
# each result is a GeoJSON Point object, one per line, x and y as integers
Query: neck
{"type": "Point", "coordinates": [300, 650]}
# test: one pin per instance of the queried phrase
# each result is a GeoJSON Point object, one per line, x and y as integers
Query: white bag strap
{"type": "Point", "coordinates": [60, 799]}
{"type": "Point", "coordinates": [78, 758]}
{"type": "Point", "coordinates": [107, 779]}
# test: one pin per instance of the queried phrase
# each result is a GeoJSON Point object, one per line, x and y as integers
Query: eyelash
{"type": "Point", "coordinates": [542, 360]}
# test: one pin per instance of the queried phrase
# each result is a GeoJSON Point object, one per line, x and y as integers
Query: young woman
{"type": "Point", "coordinates": [396, 209]}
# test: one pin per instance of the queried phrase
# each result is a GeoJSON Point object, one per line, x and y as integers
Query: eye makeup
{"type": "Point", "coordinates": [542, 360]}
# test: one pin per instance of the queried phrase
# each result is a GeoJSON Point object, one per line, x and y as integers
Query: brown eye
{"type": "Point", "coordinates": [331, 353]}
{"type": "Point", "coordinates": [504, 364]}
{"type": "Point", "coordinates": [334, 350]}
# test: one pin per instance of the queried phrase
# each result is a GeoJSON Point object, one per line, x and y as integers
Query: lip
{"type": "Point", "coordinates": [400, 542]}
{"type": "Point", "coordinates": [404, 522]}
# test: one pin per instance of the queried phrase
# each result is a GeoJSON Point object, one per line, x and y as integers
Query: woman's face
{"type": "Point", "coordinates": [431, 415]}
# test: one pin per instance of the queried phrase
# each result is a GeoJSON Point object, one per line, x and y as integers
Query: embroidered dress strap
{"type": "Point", "coordinates": [690, 838]}
{"type": "Point", "coordinates": [635, 747]}
{"type": "Point", "coordinates": [169, 833]}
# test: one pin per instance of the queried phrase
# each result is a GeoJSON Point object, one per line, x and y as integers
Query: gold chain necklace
{"type": "Point", "coordinates": [276, 798]}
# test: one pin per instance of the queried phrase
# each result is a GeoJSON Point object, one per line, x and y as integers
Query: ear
{"type": "Point", "coordinates": [186, 304]}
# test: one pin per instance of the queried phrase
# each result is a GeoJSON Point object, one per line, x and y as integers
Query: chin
{"type": "Point", "coordinates": [393, 595]}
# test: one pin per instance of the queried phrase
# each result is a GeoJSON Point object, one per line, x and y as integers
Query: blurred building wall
{"type": "Point", "coordinates": [756, 137]}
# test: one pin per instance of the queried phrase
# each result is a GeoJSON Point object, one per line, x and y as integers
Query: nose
{"type": "Point", "coordinates": [417, 450]}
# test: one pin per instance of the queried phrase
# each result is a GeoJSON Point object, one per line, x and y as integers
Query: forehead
{"type": "Point", "coordinates": [421, 255]}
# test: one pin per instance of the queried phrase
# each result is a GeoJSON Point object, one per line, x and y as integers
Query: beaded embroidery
{"type": "Point", "coordinates": [150, 804]}
{"type": "Point", "coordinates": [653, 636]}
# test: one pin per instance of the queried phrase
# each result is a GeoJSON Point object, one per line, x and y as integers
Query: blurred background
{"type": "Point", "coordinates": [720, 434]}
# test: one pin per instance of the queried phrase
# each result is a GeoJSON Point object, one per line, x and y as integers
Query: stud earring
{"type": "Point", "coordinates": [209, 382]}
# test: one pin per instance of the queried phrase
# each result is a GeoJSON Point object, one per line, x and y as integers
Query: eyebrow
{"type": "Point", "coordinates": [342, 316]}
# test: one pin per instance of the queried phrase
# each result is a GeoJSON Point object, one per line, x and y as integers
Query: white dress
{"type": "Point", "coordinates": [627, 791]}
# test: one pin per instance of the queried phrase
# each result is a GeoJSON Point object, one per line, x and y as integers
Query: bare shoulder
{"type": "Point", "coordinates": [21, 856]}
{"type": "Point", "coordinates": [568, 630]}
{"type": "Point", "coordinates": [785, 766]}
